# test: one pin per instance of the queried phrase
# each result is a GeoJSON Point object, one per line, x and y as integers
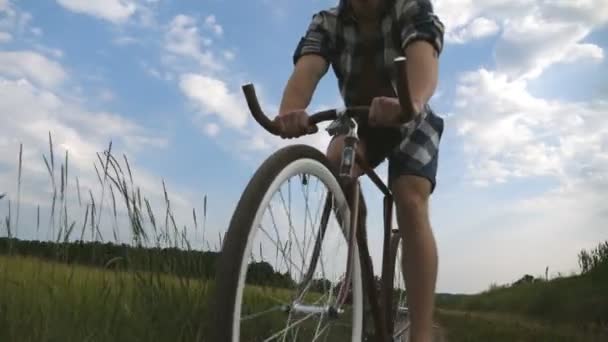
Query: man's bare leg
{"type": "Point", "coordinates": [411, 195]}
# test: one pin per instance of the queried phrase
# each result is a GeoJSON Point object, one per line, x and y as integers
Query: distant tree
{"type": "Point", "coordinates": [594, 259]}
{"type": "Point", "coordinates": [526, 279]}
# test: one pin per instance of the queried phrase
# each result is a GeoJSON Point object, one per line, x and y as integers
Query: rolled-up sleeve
{"type": "Point", "coordinates": [317, 39]}
{"type": "Point", "coordinates": [417, 21]}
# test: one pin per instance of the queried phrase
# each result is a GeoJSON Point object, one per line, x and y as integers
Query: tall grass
{"type": "Point", "coordinates": [581, 300]}
{"type": "Point", "coordinates": [42, 300]}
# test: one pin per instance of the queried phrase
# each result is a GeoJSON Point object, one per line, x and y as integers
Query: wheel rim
{"type": "Point", "coordinates": [283, 253]}
{"type": "Point", "coordinates": [400, 313]}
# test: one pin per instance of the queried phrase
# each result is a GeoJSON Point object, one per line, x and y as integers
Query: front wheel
{"type": "Point", "coordinates": [282, 271]}
{"type": "Point", "coordinates": [399, 299]}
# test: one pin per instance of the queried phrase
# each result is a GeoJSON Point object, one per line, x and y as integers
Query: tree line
{"type": "Point", "coordinates": [108, 255]}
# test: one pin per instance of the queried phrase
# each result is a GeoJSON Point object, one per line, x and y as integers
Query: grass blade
{"type": "Point", "coordinates": [18, 189]}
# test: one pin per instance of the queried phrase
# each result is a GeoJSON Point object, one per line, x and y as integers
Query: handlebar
{"type": "Point", "coordinates": [331, 114]}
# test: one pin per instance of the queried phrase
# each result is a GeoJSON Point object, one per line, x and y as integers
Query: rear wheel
{"type": "Point", "coordinates": [284, 258]}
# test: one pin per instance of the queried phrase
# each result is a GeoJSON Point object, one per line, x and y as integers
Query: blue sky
{"type": "Point", "coordinates": [523, 88]}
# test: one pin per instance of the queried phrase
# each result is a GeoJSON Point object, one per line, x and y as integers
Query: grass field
{"type": "Point", "coordinates": [484, 326]}
{"type": "Point", "coordinates": [579, 299]}
{"type": "Point", "coordinates": [49, 301]}
{"type": "Point", "coordinates": [573, 308]}
{"type": "Point", "coordinates": [46, 301]}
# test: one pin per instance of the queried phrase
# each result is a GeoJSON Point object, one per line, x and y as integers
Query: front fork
{"type": "Point", "coordinates": [380, 301]}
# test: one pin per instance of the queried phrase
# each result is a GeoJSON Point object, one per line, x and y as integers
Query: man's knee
{"type": "Point", "coordinates": [412, 196]}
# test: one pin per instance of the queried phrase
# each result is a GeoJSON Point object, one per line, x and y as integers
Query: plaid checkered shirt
{"type": "Point", "coordinates": [334, 35]}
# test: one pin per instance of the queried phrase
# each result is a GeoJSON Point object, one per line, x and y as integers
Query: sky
{"type": "Point", "coordinates": [523, 89]}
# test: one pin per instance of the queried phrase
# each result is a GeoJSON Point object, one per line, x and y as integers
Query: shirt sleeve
{"type": "Point", "coordinates": [317, 39]}
{"type": "Point", "coordinates": [417, 21]}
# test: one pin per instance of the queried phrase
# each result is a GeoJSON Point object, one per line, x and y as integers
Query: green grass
{"type": "Point", "coordinates": [49, 301]}
{"type": "Point", "coordinates": [476, 327]}
{"type": "Point", "coordinates": [571, 308]}
{"type": "Point", "coordinates": [45, 301]}
{"type": "Point", "coordinates": [580, 300]}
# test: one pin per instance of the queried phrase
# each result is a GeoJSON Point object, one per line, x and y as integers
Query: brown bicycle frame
{"type": "Point", "coordinates": [380, 300]}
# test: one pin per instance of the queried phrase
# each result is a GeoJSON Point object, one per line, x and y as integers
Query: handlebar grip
{"type": "Point", "coordinates": [321, 116]}
{"type": "Point", "coordinates": [269, 125]}
{"type": "Point", "coordinates": [403, 92]}
{"type": "Point", "coordinates": [256, 111]}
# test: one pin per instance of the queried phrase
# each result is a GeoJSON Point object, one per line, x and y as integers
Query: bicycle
{"type": "Point", "coordinates": [335, 300]}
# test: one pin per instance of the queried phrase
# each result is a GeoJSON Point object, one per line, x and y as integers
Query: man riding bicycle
{"type": "Point", "coordinates": [360, 39]}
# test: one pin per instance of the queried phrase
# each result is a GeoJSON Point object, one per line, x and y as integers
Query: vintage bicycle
{"type": "Point", "coordinates": [314, 282]}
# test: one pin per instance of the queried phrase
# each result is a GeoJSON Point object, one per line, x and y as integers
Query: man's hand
{"type": "Point", "coordinates": [386, 112]}
{"type": "Point", "coordinates": [294, 124]}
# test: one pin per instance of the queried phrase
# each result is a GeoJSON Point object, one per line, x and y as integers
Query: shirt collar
{"type": "Point", "coordinates": [345, 12]}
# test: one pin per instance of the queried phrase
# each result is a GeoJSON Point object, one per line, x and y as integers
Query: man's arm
{"type": "Point", "coordinates": [422, 68]}
{"type": "Point", "coordinates": [421, 34]}
{"type": "Point", "coordinates": [302, 83]}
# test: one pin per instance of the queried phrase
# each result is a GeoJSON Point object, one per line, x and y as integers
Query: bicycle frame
{"type": "Point", "coordinates": [380, 300]}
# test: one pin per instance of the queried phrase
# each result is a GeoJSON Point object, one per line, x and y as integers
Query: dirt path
{"type": "Point", "coordinates": [439, 335]}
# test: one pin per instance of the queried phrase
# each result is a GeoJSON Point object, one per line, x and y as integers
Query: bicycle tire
{"type": "Point", "coordinates": [399, 332]}
{"type": "Point", "coordinates": [231, 264]}
{"type": "Point", "coordinates": [395, 241]}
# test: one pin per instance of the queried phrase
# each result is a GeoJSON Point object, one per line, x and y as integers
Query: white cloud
{"type": "Point", "coordinates": [530, 44]}
{"type": "Point", "coordinates": [12, 20]}
{"type": "Point", "coordinates": [212, 96]}
{"type": "Point", "coordinates": [125, 40]}
{"type": "Point", "coordinates": [5, 37]}
{"type": "Point", "coordinates": [229, 55]}
{"type": "Point", "coordinates": [478, 28]}
{"type": "Point", "coordinates": [535, 33]}
{"type": "Point", "coordinates": [30, 113]}
{"type": "Point", "coordinates": [31, 65]}
{"type": "Point", "coordinates": [116, 11]}
{"type": "Point", "coordinates": [183, 38]}
{"type": "Point", "coordinates": [584, 51]}
{"type": "Point", "coordinates": [212, 129]}
{"type": "Point", "coordinates": [56, 53]}
{"type": "Point", "coordinates": [106, 95]}
{"type": "Point", "coordinates": [211, 23]}
{"type": "Point", "coordinates": [509, 133]}
{"type": "Point", "coordinates": [36, 31]}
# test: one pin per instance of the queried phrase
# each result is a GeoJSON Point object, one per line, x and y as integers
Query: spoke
{"type": "Point", "coordinates": [282, 251]}
{"type": "Point", "coordinates": [305, 193]}
{"type": "Point", "coordinates": [288, 327]}
{"type": "Point", "coordinates": [272, 309]}
{"type": "Point", "coordinates": [276, 230]}
{"type": "Point", "coordinates": [319, 325]}
{"type": "Point", "coordinates": [326, 336]}
{"type": "Point", "coordinates": [308, 215]}
{"type": "Point", "coordinates": [319, 333]}
{"type": "Point", "coordinates": [288, 212]}
{"type": "Point", "coordinates": [288, 320]}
